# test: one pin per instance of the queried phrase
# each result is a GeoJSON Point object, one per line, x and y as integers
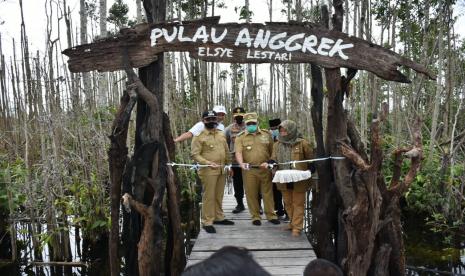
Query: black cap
{"type": "Point", "coordinates": [274, 122]}
{"type": "Point", "coordinates": [238, 110]}
{"type": "Point", "coordinates": [209, 113]}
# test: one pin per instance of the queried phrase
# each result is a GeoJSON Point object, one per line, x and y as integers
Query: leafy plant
{"type": "Point", "coordinates": [118, 14]}
{"type": "Point", "coordinates": [244, 12]}
{"type": "Point", "coordinates": [88, 206]}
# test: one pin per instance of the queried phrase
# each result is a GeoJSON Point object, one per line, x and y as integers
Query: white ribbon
{"type": "Point", "coordinates": [247, 166]}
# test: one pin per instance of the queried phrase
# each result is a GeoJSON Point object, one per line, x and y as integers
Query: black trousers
{"type": "Point", "coordinates": [278, 201]}
{"type": "Point", "coordinates": [238, 184]}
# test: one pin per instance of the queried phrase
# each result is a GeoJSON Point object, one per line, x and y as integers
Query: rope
{"type": "Point", "coordinates": [270, 166]}
{"type": "Point", "coordinates": [292, 163]}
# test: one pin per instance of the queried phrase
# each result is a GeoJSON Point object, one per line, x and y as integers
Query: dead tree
{"type": "Point", "coordinates": [146, 244]}
{"type": "Point", "coordinates": [157, 147]}
{"type": "Point", "coordinates": [364, 230]}
{"type": "Point", "coordinates": [117, 158]}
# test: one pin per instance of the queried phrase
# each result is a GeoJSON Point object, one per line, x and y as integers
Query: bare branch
{"type": "Point", "coordinates": [353, 156]}
{"type": "Point", "coordinates": [376, 157]}
{"type": "Point", "coordinates": [136, 205]}
{"type": "Point", "coordinates": [398, 159]}
{"type": "Point", "coordinates": [142, 91]}
{"type": "Point", "coordinates": [415, 154]}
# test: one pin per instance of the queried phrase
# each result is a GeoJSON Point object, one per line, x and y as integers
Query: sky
{"type": "Point", "coordinates": [35, 17]}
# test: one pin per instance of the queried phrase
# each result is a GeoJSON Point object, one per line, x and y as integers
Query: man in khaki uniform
{"type": "Point", "coordinates": [254, 147]}
{"type": "Point", "coordinates": [210, 148]}
{"type": "Point", "coordinates": [231, 133]}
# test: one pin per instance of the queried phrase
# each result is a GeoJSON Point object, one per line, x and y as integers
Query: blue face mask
{"type": "Point", "coordinates": [252, 128]}
{"type": "Point", "coordinates": [274, 134]}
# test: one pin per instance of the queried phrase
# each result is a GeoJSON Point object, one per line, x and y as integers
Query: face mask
{"type": "Point", "coordinates": [252, 128]}
{"type": "Point", "coordinates": [211, 125]}
{"type": "Point", "coordinates": [274, 133]}
{"type": "Point", "coordinates": [239, 119]}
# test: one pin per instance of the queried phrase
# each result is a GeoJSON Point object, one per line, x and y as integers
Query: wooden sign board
{"type": "Point", "coordinates": [241, 43]}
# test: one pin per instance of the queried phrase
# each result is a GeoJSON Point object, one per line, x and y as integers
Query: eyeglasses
{"type": "Point", "coordinates": [251, 124]}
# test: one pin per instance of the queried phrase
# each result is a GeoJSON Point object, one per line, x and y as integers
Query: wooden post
{"type": "Point", "coordinates": [117, 158]}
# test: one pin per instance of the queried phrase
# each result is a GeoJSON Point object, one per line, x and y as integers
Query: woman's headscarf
{"type": "Point", "coordinates": [284, 149]}
{"type": "Point", "coordinates": [292, 133]}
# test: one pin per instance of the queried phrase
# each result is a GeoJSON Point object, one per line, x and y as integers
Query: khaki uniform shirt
{"type": "Point", "coordinates": [256, 148]}
{"type": "Point", "coordinates": [301, 150]}
{"type": "Point", "coordinates": [210, 146]}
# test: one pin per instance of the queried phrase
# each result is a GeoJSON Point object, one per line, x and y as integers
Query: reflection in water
{"type": "Point", "coordinates": [92, 256]}
{"type": "Point", "coordinates": [427, 253]}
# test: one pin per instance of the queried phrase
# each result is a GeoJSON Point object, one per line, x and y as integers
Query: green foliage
{"type": "Point", "coordinates": [451, 230]}
{"type": "Point", "coordinates": [312, 14]}
{"type": "Point", "coordinates": [221, 5]}
{"type": "Point", "coordinates": [187, 180]}
{"type": "Point", "coordinates": [118, 14]}
{"type": "Point", "coordinates": [192, 8]}
{"type": "Point", "coordinates": [223, 74]}
{"type": "Point", "coordinates": [104, 114]}
{"type": "Point", "coordinates": [91, 9]}
{"type": "Point", "coordinates": [88, 205]}
{"type": "Point", "coordinates": [240, 71]}
{"type": "Point", "coordinates": [434, 193]}
{"type": "Point", "coordinates": [12, 177]}
{"type": "Point", "coordinates": [244, 13]}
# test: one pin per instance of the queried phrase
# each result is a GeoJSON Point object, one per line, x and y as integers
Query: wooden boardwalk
{"type": "Point", "coordinates": [271, 246]}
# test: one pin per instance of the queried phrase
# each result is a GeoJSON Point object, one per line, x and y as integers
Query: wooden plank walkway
{"type": "Point", "coordinates": [271, 246]}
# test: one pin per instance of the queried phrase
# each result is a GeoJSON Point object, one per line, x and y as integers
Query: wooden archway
{"type": "Point", "coordinates": [148, 176]}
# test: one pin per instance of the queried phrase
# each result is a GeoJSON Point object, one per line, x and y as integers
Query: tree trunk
{"type": "Point", "coordinates": [117, 158]}
{"type": "Point", "coordinates": [437, 98]}
{"type": "Point", "coordinates": [149, 191]}
{"type": "Point", "coordinates": [249, 99]}
{"type": "Point", "coordinates": [138, 11]}
{"type": "Point", "coordinates": [83, 36]}
{"type": "Point", "coordinates": [367, 234]}
{"type": "Point", "coordinates": [102, 100]}
{"type": "Point", "coordinates": [147, 243]}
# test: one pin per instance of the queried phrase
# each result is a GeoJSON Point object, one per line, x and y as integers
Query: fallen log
{"type": "Point", "coordinates": [77, 264]}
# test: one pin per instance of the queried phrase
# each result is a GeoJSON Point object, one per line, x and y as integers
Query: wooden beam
{"type": "Point", "coordinates": [272, 42]}
{"type": "Point", "coordinates": [78, 264]}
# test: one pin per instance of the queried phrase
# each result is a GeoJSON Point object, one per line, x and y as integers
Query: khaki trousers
{"type": "Point", "coordinates": [294, 203]}
{"type": "Point", "coordinates": [258, 181]}
{"type": "Point", "coordinates": [212, 198]}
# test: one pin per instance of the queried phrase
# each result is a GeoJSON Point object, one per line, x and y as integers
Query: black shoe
{"type": "Point", "coordinates": [209, 229]}
{"type": "Point", "coordinates": [224, 222]}
{"type": "Point", "coordinates": [274, 221]}
{"type": "Point", "coordinates": [239, 208]}
{"type": "Point", "coordinates": [286, 218]}
{"type": "Point", "coordinates": [256, 222]}
{"type": "Point", "coordinates": [280, 213]}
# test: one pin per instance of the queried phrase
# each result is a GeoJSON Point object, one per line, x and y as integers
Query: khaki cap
{"type": "Point", "coordinates": [250, 117]}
